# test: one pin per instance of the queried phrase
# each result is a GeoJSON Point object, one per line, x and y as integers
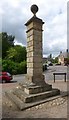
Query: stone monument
{"type": "Point", "coordinates": [33, 88]}
{"type": "Point", "coordinates": [34, 49]}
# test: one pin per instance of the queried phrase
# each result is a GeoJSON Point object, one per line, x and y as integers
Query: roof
{"type": "Point", "coordinates": [64, 54]}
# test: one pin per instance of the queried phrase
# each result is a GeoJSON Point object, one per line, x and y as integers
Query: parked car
{"type": "Point", "coordinates": [50, 64]}
{"type": "Point", "coordinates": [44, 67]}
{"type": "Point", "coordinates": [5, 77]}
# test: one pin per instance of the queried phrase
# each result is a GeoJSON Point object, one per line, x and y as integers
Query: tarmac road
{"type": "Point", "coordinates": [52, 69]}
{"type": "Point", "coordinates": [48, 73]}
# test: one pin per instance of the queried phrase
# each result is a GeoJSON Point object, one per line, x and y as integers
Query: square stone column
{"type": "Point", "coordinates": [34, 50]}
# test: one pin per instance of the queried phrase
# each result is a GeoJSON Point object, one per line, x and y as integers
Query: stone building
{"type": "Point", "coordinates": [63, 58]}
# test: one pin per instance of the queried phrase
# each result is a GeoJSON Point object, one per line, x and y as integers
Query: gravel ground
{"type": "Point", "coordinates": [53, 109]}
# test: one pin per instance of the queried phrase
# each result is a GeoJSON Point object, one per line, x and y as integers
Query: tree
{"type": "Point", "coordinates": [13, 67]}
{"type": "Point", "coordinates": [0, 64]}
{"type": "Point", "coordinates": [0, 46]}
{"type": "Point", "coordinates": [17, 53]}
{"type": "Point", "coordinates": [7, 42]}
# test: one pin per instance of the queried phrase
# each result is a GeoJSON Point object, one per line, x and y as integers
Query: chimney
{"type": "Point", "coordinates": [67, 50]}
{"type": "Point", "coordinates": [60, 52]}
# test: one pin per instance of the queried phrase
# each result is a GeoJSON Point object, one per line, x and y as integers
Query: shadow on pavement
{"type": "Point", "coordinates": [8, 82]}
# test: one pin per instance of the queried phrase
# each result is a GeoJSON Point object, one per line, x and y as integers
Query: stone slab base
{"type": "Point", "coordinates": [27, 98]}
{"type": "Point", "coordinates": [28, 93]}
{"type": "Point", "coordinates": [34, 89]}
{"type": "Point", "coordinates": [22, 105]}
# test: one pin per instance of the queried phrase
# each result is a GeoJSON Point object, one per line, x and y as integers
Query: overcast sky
{"type": "Point", "coordinates": [15, 13]}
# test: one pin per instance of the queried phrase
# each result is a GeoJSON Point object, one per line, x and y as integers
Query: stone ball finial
{"type": "Point", "coordinates": [34, 9]}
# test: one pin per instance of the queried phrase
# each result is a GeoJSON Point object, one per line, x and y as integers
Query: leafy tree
{"type": "Point", "coordinates": [17, 53]}
{"type": "Point", "coordinates": [66, 60]}
{"type": "Point", "coordinates": [0, 64]}
{"type": "Point", "coordinates": [11, 53]}
{"type": "Point", "coordinates": [7, 42]}
{"type": "Point", "coordinates": [55, 60]}
{"type": "Point", "coordinates": [21, 53]}
{"type": "Point", "coordinates": [0, 46]}
{"type": "Point", "coordinates": [13, 67]}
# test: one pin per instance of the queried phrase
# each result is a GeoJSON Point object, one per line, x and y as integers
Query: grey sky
{"type": "Point", "coordinates": [15, 13]}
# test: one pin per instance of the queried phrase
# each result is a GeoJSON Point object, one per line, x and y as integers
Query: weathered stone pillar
{"type": "Point", "coordinates": [34, 49]}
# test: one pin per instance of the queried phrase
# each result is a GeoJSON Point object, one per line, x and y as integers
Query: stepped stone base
{"type": "Point", "coordinates": [28, 93]}
{"type": "Point", "coordinates": [22, 106]}
{"type": "Point", "coordinates": [34, 97]}
{"type": "Point", "coordinates": [34, 89]}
